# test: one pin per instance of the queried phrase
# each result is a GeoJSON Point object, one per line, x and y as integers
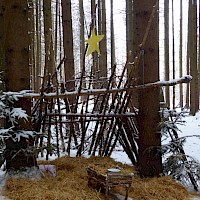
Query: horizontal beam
{"type": "Point", "coordinates": [97, 115]}
{"type": "Point", "coordinates": [184, 79]}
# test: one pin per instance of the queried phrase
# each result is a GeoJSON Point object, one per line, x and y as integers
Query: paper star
{"type": "Point", "coordinates": [93, 42]}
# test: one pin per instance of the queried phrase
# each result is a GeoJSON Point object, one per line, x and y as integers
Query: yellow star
{"type": "Point", "coordinates": [93, 42]}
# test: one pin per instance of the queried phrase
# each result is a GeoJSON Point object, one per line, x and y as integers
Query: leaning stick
{"type": "Point", "coordinates": [155, 8]}
{"type": "Point", "coordinates": [113, 125]}
{"type": "Point", "coordinates": [104, 104]}
{"type": "Point", "coordinates": [60, 118]}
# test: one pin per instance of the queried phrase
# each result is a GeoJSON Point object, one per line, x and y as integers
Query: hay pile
{"type": "Point", "coordinates": [71, 183]}
{"type": "Point", "coordinates": [157, 189]}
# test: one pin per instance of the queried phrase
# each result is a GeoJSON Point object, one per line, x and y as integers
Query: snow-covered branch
{"type": "Point", "coordinates": [184, 79]}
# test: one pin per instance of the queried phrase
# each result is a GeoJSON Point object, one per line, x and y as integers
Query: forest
{"type": "Point", "coordinates": [86, 78]}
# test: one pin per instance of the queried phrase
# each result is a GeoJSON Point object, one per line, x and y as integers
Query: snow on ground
{"type": "Point", "coordinates": [191, 127]}
{"type": "Point", "coordinates": [121, 156]}
{"type": "Point", "coordinates": [3, 179]}
{"type": "Point", "coordinates": [192, 145]}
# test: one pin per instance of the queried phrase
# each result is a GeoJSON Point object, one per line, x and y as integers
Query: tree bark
{"type": "Point", "coordinates": [181, 53]}
{"type": "Point", "coordinates": [150, 161]}
{"type": "Point", "coordinates": [188, 54]}
{"type": "Point", "coordinates": [103, 45]}
{"type": "Point", "coordinates": [199, 53]}
{"type": "Point", "coordinates": [17, 50]}
{"type": "Point", "coordinates": [82, 32]}
{"type": "Point", "coordinates": [166, 46]}
{"type": "Point", "coordinates": [2, 35]}
{"type": "Point", "coordinates": [82, 41]}
{"type": "Point", "coordinates": [38, 46]}
{"type": "Point", "coordinates": [68, 47]}
{"type": "Point", "coordinates": [173, 57]}
{"type": "Point", "coordinates": [32, 44]}
{"type": "Point", "coordinates": [112, 40]}
{"type": "Point", "coordinates": [17, 71]}
{"type": "Point", "coordinates": [194, 90]}
{"type": "Point", "coordinates": [131, 46]}
{"type": "Point", "coordinates": [49, 52]}
{"type": "Point", "coordinates": [56, 32]}
{"type": "Point", "coordinates": [95, 60]}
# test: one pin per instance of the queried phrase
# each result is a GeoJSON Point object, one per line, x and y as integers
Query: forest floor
{"type": "Point", "coordinates": [71, 183]}
{"type": "Point", "coordinates": [71, 180]}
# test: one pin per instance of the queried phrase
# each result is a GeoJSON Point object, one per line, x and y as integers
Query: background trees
{"type": "Point", "coordinates": [52, 13]}
{"type": "Point", "coordinates": [38, 42]}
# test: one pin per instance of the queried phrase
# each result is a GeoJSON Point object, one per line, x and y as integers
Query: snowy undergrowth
{"type": "Point", "coordinates": [181, 136]}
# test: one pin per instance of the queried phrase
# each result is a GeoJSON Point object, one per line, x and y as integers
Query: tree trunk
{"type": "Point", "coordinates": [130, 28]}
{"type": "Point", "coordinates": [194, 90]}
{"type": "Point", "coordinates": [38, 46]}
{"type": "Point", "coordinates": [112, 41]}
{"type": "Point", "coordinates": [82, 42]}
{"type": "Point", "coordinates": [188, 55]}
{"type": "Point", "coordinates": [95, 60]}
{"type": "Point", "coordinates": [103, 45]}
{"type": "Point", "coordinates": [49, 53]}
{"type": "Point", "coordinates": [2, 50]}
{"type": "Point", "coordinates": [199, 53]}
{"type": "Point", "coordinates": [61, 49]}
{"type": "Point", "coordinates": [150, 161]}
{"type": "Point", "coordinates": [17, 71]}
{"type": "Point", "coordinates": [166, 46]}
{"type": "Point", "coordinates": [68, 47]}
{"type": "Point", "coordinates": [82, 32]}
{"type": "Point", "coordinates": [131, 47]}
{"type": "Point", "coordinates": [181, 52]}
{"type": "Point", "coordinates": [31, 28]}
{"type": "Point", "coordinates": [173, 58]}
{"type": "Point", "coordinates": [17, 46]}
{"type": "Point", "coordinates": [56, 32]}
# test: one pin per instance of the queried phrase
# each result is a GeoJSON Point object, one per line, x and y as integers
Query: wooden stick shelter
{"type": "Point", "coordinates": [95, 126]}
{"type": "Point", "coordinates": [112, 123]}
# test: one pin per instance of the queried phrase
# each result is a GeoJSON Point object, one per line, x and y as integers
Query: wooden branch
{"type": "Point", "coordinates": [155, 8]}
{"type": "Point", "coordinates": [93, 114]}
{"type": "Point", "coordinates": [184, 79]}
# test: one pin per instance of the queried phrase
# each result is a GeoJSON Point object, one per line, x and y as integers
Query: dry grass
{"type": "Point", "coordinates": [71, 183]}
{"type": "Point", "coordinates": [157, 188]}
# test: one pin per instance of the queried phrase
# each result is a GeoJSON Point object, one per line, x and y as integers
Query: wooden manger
{"type": "Point", "coordinates": [104, 183]}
